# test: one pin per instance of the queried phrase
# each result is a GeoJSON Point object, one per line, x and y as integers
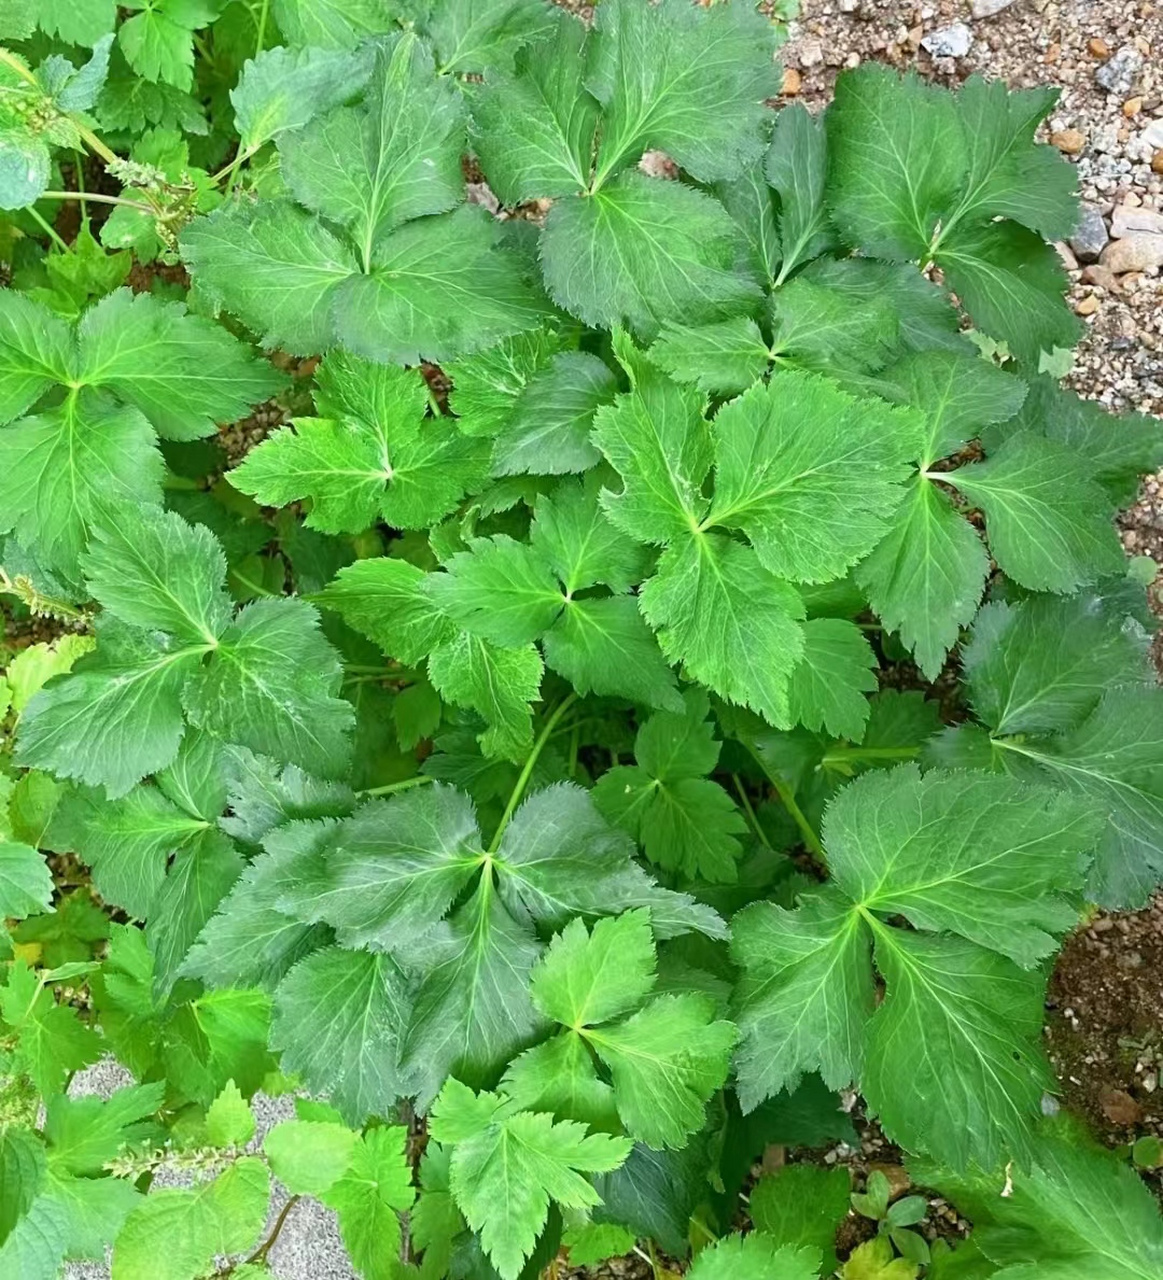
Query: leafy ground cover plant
{"type": "Point", "coordinates": [655, 660]}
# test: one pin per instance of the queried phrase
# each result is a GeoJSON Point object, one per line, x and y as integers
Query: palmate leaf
{"type": "Point", "coordinates": [267, 680]}
{"type": "Point", "coordinates": [508, 1164]}
{"type": "Point", "coordinates": [665, 1056]}
{"type": "Point", "coordinates": [982, 867]}
{"type": "Point", "coordinates": [406, 279]}
{"type": "Point", "coordinates": [398, 876]}
{"type": "Point", "coordinates": [757, 1255]}
{"type": "Point", "coordinates": [928, 179]}
{"type": "Point", "coordinates": [373, 456]}
{"type": "Point", "coordinates": [684, 821]}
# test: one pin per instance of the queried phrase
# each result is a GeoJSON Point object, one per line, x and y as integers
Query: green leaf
{"type": "Point", "coordinates": [796, 166]}
{"type": "Point", "coordinates": [36, 351]}
{"type": "Point", "coordinates": [572, 534]}
{"type": "Point", "coordinates": [309, 1156]}
{"type": "Point", "coordinates": [385, 600]}
{"type": "Point", "coordinates": [81, 22]}
{"type": "Point", "coordinates": [508, 1165]}
{"type": "Point", "coordinates": [330, 24]}
{"type": "Point", "coordinates": [925, 579]}
{"type": "Point", "coordinates": [958, 395]}
{"type": "Point", "coordinates": [1012, 284]}
{"type": "Point", "coordinates": [605, 647]}
{"type": "Point", "coordinates": [223, 1216]}
{"type": "Point", "coordinates": [548, 432]}
{"type": "Point", "coordinates": [275, 267]}
{"type": "Point", "coordinates": [981, 871]}
{"type": "Point", "coordinates": [158, 42]}
{"type": "Point", "coordinates": [802, 1205]}
{"type": "Point", "coordinates": [116, 718]}
{"type": "Point", "coordinates": [977, 855]}
{"type": "Point", "coordinates": [684, 821]}
{"type": "Point", "coordinates": [720, 359]}
{"type": "Point", "coordinates": [486, 386]}
{"type": "Point", "coordinates": [809, 474]}
{"type": "Point", "coordinates": [478, 35]}
{"type": "Point", "coordinates": [229, 1119]}
{"type": "Point", "coordinates": [897, 160]}
{"type": "Point", "coordinates": [688, 82]}
{"type": "Point", "coordinates": [534, 129]}
{"type": "Point", "coordinates": [371, 460]}
{"type": "Point", "coordinates": [1041, 665]}
{"type": "Point", "coordinates": [151, 569]}
{"type": "Point", "coordinates": [1079, 1210]}
{"type": "Point", "coordinates": [183, 372]}
{"type": "Point", "coordinates": [280, 89]}
{"type": "Point", "coordinates": [32, 668]}
{"type": "Point", "coordinates": [559, 1076]}
{"type": "Point", "coordinates": [586, 978]}
{"type": "Point", "coordinates": [496, 683]}
{"type": "Point", "coordinates": [375, 1189]}
{"type": "Point", "coordinates": [730, 622]}
{"type": "Point", "coordinates": [752, 204]}
{"type": "Point", "coordinates": [827, 689]}
{"type": "Point", "coordinates": [1048, 523]}
{"type": "Point", "coordinates": [755, 1255]}
{"type": "Point", "coordinates": [436, 288]}
{"type": "Point", "coordinates": [26, 885]}
{"type": "Point", "coordinates": [642, 251]}
{"type": "Point", "coordinates": [57, 469]}
{"type": "Point", "coordinates": [337, 1018]}
{"type": "Point", "coordinates": [52, 1042]}
{"type": "Point", "coordinates": [22, 1171]}
{"type": "Point", "coordinates": [500, 590]}
{"type": "Point", "coordinates": [86, 1133]}
{"type": "Point", "coordinates": [395, 157]}
{"type": "Point", "coordinates": [1114, 761]}
{"type": "Point", "coordinates": [271, 685]}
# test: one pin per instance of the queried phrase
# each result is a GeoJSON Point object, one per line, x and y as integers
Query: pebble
{"type": "Point", "coordinates": [1090, 236]}
{"type": "Point", "coordinates": [792, 82]}
{"type": "Point", "coordinates": [1127, 221]}
{"type": "Point", "coordinates": [1136, 252]}
{"type": "Point", "coordinates": [811, 53]}
{"type": "Point", "coordinates": [1152, 135]}
{"type": "Point", "coordinates": [1088, 306]}
{"type": "Point", "coordinates": [950, 42]}
{"type": "Point", "coordinates": [987, 8]}
{"type": "Point", "coordinates": [1118, 74]}
{"type": "Point", "coordinates": [1100, 277]}
{"type": "Point", "coordinates": [1070, 141]}
{"type": "Point", "coordinates": [1157, 162]}
{"type": "Point", "coordinates": [1097, 47]}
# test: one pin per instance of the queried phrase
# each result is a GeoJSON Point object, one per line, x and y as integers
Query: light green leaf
{"type": "Point", "coordinates": [496, 683]}
{"type": "Point", "coordinates": [559, 1076]}
{"type": "Point", "coordinates": [309, 1156]}
{"type": "Point", "coordinates": [641, 251]}
{"type": "Point", "coordinates": [756, 1256]}
{"type": "Point", "coordinates": [802, 1205]}
{"type": "Point", "coordinates": [158, 41]}
{"type": "Point", "coordinates": [229, 1119]}
{"type": "Point", "coordinates": [81, 22]}
{"type": "Point", "coordinates": [36, 351]}
{"type": "Point", "coordinates": [375, 1189]}
{"type": "Point", "coordinates": [508, 1165]}
{"type": "Point", "coordinates": [384, 599]}
{"type": "Point", "coordinates": [26, 885]}
{"type": "Point", "coordinates": [331, 24]}
{"type": "Point", "coordinates": [814, 327]}
{"type": "Point", "coordinates": [280, 89]}
{"type": "Point", "coordinates": [720, 359]}
{"type": "Point", "coordinates": [85, 1133]}
{"type": "Point", "coordinates": [486, 385]}
{"type": "Point", "coordinates": [32, 668]}
{"type": "Point", "coordinates": [571, 532]}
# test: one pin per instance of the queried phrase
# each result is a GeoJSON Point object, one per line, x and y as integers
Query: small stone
{"type": "Point", "coordinates": [1127, 221]}
{"type": "Point", "coordinates": [811, 53]}
{"type": "Point", "coordinates": [1117, 76]}
{"type": "Point", "coordinates": [1157, 162]}
{"type": "Point", "coordinates": [1097, 47]}
{"type": "Point", "coordinates": [1119, 1107]}
{"type": "Point", "coordinates": [1071, 141]}
{"type": "Point", "coordinates": [1088, 306]}
{"type": "Point", "coordinates": [852, 61]}
{"type": "Point", "coordinates": [1101, 278]}
{"type": "Point", "coordinates": [1069, 261]}
{"type": "Point", "coordinates": [1090, 236]}
{"type": "Point", "coordinates": [1132, 107]}
{"type": "Point", "coordinates": [1136, 252]}
{"type": "Point", "coordinates": [950, 42]}
{"type": "Point", "coordinates": [896, 1175]}
{"type": "Point", "coordinates": [1152, 135]}
{"type": "Point", "coordinates": [849, 6]}
{"type": "Point", "coordinates": [793, 82]}
{"type": "Point", "coordinates": [987, 8]}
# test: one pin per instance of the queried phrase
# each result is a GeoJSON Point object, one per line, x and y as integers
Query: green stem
{"type": "Point", "coordinates": [48, 229]}
{"type": "Point", "coordinates": [749, 811]}
{"type": "Point", "coordinates": [96, 197]}
{"type": "Point", "coordinates": [264, 13]}
{"type": "Point", "coordinates": [405, 784]}
{"type": "Point", "coordinates": [788, 800]}
{"type": "Point", "coordinates": [79, 176]}
{"type": "Point", "coordinates": [527, 769]}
